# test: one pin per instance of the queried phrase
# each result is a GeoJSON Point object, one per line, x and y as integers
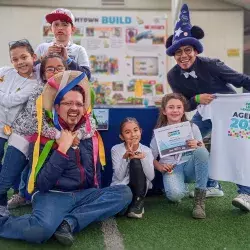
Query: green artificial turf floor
{"type": "Point", "coordinates": [166, 226]}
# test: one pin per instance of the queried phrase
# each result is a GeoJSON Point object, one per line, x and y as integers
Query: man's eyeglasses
{"type": "Point", "coordinates": [187, 51]}
{"type": "Point", "coordinates": [19, 42]}
{"type": "Point", "coordinates": [71, 104]}
{"type": "Point", "coordinates": [53, 69]}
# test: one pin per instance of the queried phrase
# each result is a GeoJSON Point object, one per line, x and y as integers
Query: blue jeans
{"type": "Point", "coordinates": [195, 169]}
{"type": "Point", "coordinates": [24, 181]}
{"type": "Point", "coordinates": [205, 128]}
{"type": "Point", "coordinates": [243, 189]}
{"type": "Point", "coordinates": [79, 209]}
{"type": "Point", "coordinates": [14, 163]}
{"type": "Point", "coordinates": [2, 143]}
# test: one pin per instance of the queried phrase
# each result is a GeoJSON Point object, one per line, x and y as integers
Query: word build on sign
{"type": "Point", "coordinates": [116, 20]}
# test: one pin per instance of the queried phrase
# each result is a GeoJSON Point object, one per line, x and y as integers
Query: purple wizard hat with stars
{"type": "Point", "coordinates": [184, 34]}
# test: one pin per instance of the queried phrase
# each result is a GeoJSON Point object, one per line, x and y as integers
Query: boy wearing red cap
{"type": "Point", "coordinates": [63, 26]}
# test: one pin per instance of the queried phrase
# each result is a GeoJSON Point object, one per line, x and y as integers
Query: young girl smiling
{"type": "Point", "coordinates": [133, 165]}
{"type": "Point", "coordinates": [179, 169]}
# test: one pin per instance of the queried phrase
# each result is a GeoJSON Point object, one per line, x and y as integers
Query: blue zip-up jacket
{"type": "Point", "coordinates": [213, 76]}
{"type": "Point", "coordinates": [70, 172]}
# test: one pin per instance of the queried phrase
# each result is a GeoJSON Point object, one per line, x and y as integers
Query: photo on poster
{"type": "Point", "coordinates": [159, 89]}
{"type": "Point", "coordinates": [131, 34]}
{"type": "Point", "coordinates": [90, 31]}
{"type": "Point", "coordinates": [117, 86]}
{"type": "Point", "coordinates": [79, 32]}
{"type": "Point", "coordinates": [102, 118]}
{"type": "Point", "coordinates": [146, 34]}
{"type": "Point", "coordinates": [147, 66]}
{"type": "Point", "coordinates": [103, 92]}
{"type": "Point", "coordinates": [103, 64]}
{"type": "Point", "coordinates": [117, 32]}
{"type": "Point", "coordinates": [159, 40]}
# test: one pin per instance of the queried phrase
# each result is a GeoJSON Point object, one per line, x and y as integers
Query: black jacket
{"type": "Point", "coordinates": [213, 76]}
{"type": "Point", "coordinates": [70, 172]}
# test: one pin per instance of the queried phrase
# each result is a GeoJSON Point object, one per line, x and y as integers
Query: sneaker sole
{"type": "Point", "coordinates": [239, 205]}
{"type": "Point", "coordinates": [64, 239]}
{"type": "Point", "coordinates": [134, 215]}
{"type": "Point", "coordinates": [215, 195]}
{"type": "Point", "coordinates": [209, 196]}
{"type": "Point", "coordinates": [199, 217]}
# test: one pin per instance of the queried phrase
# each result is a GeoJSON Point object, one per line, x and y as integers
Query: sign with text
{"type": "Point", "coordinates": [173, 139]}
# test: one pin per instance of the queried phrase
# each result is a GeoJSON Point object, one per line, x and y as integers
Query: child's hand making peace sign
{"type": "Point", "coordinates": [130, 153]}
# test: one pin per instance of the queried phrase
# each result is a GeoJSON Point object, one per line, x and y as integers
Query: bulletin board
{"type": "Point", "coordinates": [127, 56]}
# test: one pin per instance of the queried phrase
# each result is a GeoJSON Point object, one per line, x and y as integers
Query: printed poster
{"type": "Point", "coordinates": [127, 56]}
{"type": "Point", "coordinates": [102, 118]}
{"type": "Point", "coordinates": [172, 139]}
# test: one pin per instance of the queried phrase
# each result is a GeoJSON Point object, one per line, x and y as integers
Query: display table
{"type": "Point", "coordinates": [146, 117]}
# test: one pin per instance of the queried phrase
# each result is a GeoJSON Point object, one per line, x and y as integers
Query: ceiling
{"type": "Point", "coordinates": [242, 3]}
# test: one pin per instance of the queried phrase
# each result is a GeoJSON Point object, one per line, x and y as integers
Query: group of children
{"type": "Point", "coordinates": [20, 87]}
{"type": "Point", "coordinates": [134, 164]}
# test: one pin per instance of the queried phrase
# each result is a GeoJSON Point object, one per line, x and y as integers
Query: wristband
{"type": "Point", "coordinates": [197, 98]}
{"type": "Point", "coordinates": [68, 61]}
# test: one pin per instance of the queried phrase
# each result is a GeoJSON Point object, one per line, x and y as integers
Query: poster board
{"type": "Point", "coordinates": [127, 56]}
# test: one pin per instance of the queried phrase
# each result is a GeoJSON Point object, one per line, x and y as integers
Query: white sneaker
{"type": "Point", "coordinates": [211, 192]}
{"type": "Point", "coordinates": [17, 201]}
{"type": "Point", "coordinates": [242, 201]}
{"type": "Point", "coordinates": [214, 192]}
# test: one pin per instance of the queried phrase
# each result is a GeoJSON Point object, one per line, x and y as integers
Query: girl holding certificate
{"type": "Point", "coordinates": [181, 168]}
{"type": "Point", "coordinates": [132, 165]}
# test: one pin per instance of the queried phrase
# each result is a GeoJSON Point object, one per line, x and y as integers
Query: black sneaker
{"type": "Point", "coordinates": [64, 235]}
{"type": "Point", "coordinates": [137, 208]}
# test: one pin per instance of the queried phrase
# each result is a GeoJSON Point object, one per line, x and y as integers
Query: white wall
{"type": "Point", "coordinates": [223, 29]}
{"type": "Point", "coordinates": [129, 4]}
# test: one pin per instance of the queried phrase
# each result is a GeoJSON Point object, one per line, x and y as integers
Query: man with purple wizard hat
{"type": "Point", "coordinates": [198, 79]}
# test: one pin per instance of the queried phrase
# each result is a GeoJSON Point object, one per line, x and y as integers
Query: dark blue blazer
{"type": "Point", "coordinates": [213, 76]}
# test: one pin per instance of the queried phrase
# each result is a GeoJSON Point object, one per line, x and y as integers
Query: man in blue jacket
{"type": "Point", "coordinates": [198, 78]}
{"type": "Point", "coordinates": [66, 197]}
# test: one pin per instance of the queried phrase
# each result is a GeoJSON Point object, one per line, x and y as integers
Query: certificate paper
{"type": "Point", "coordinates": [172, 139]}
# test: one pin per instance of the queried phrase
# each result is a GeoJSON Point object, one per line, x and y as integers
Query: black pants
{"type": "Point", "coordinates": [137, 178]}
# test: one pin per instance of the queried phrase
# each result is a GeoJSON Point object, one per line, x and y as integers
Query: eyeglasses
{"type": "Point", "coordinates": [19, 42]}
{"type": "Point", "coordinates": [53, 69]}
{"type": "Point", "coordinates": [187, 51]}
{"type": "Point", "coordinates": [71, 104]}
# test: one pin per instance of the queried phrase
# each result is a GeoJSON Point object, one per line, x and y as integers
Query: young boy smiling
{"type": "Point", "coordinates": [63, 26]}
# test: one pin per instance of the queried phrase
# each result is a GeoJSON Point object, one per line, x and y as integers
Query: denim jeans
{"type": "Point", "coordinates": [14, 163]}
{"type": "Point", "coordinates": [79, 209]}
{"type": "Point", "coordinates": [2, 143]}
{"type": "Point", "coordinates": [195, 169]}
{"type": "Point", "coordinates": [205, 128]}
{"type": "Point", "coordinates": [243, 189]}
{"type": "Point", "coordinates": [24, 181]}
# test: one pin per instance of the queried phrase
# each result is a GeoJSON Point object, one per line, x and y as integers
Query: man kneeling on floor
{"type": "Point", "coordinates": [65, 179]}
